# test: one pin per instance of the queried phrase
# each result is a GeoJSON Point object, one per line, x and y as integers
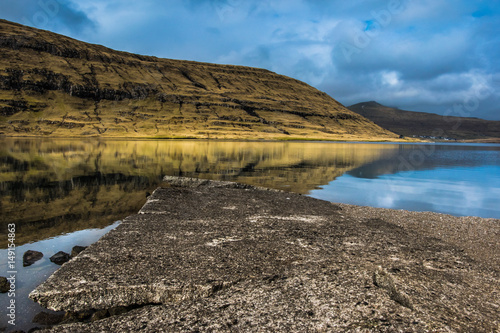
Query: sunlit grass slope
{"type": "Point", "coordinates": [52, 85]}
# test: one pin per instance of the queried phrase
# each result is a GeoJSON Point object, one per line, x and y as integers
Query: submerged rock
{"type": "Point", "coordinates": [30, 257]}
{"type": "Point", "coordinates": [76, 250]}
{"type": "Point", "coordinates": [4, 284]}
{"type": "Point", "coordinates": [60, 258]}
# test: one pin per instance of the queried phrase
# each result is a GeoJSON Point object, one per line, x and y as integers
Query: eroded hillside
{"type": "Point", "coordinates": [54, 85]}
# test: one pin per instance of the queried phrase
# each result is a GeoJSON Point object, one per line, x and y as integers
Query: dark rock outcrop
{"type": "Point", "coordinates": [30, 257]}
{"type": "Point", "coordinates": [60, 258]}
{"type": "Point", "coordinates": [76, 250]}
{"type": "Point", "coordinates": [4, 284]}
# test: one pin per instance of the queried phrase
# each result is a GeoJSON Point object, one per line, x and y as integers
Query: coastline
{"type": "Point", "coordinates": [242, 139]}
{"type": "Point", "coordinates": [211, 255]}
{"type": "Point", "coordinates": [253, 139]}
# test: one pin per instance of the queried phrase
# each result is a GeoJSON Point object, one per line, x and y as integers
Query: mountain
{"type": "Point", "coordinates": [52, 85]}
{"type": "Point", "coordinates": [421, 124]}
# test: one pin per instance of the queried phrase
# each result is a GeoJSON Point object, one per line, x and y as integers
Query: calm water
{"type": "Point", "coordinates": [62, 193]}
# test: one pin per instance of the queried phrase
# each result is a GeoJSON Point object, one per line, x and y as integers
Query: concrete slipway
{"type": "Point", "coordinates": [217, 256]}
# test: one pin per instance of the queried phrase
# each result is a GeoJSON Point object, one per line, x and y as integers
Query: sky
{"type": "Point", "coordinates": [440, 56]}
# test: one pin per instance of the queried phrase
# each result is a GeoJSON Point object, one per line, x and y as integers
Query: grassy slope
{"type": "Point", "coordinates": [54, 85]}
{"type": "Point", "coordinates": [410, 123]}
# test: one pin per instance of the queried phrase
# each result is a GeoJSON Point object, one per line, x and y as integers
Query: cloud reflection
{"type": "Point", "coordinates": [470, 191]}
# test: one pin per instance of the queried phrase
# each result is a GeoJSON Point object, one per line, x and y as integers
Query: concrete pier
{"type": "Point", "coordinates": [219, 256]}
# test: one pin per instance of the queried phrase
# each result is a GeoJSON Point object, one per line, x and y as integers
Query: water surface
{"type": "Point", "coordinates": [62, 193]}
{"type": "Point", "coordinates": [461, 180]}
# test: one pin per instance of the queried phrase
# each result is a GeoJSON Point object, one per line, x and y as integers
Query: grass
{"type": "Point", "coordinates": [146, 97]}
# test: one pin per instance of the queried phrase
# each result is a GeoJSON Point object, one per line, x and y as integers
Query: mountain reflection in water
{"type": "Point", "coordinates": [50, 187]}
{"type": "Point", "coordinates": [461, 180]}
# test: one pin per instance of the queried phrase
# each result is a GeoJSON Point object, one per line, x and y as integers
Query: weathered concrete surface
{"type": "Point", "coordinates": [216, 256]}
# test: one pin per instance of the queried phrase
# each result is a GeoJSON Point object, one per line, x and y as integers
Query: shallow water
{"type": "Point", "coordinates": [28, 278]}
{"type": "Point", "coordinates": [61, 193]}
{"type": "Point", "coordinates": [461, 180]}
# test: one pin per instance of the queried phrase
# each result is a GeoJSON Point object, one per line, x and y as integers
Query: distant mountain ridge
{"type": "Point", "coordinates": [52, 85]}
{"type": "Point", "coordinates": [427, 125]}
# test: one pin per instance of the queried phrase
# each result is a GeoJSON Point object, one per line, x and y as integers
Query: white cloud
{"type": "Point", "coordinates": [390, 78]}
{"type": "Point", "coordinates": [430, 54]}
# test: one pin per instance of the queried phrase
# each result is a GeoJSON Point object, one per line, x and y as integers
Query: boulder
{"type": "Point", "coordinates": [60, 258]}
{"type": "Point", "coordinates": [30, 257]}
{"type": "Point", "coordinates": [4, 284]}
{"type": "Point", "coordinates": [76, 250]}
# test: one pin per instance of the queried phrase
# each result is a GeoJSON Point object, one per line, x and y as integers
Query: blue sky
{"type": "Point", "coordinates": [439, 56]}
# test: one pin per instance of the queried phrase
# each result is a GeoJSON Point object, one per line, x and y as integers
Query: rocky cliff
{"type": "Point", "coordinates": [54, 85]}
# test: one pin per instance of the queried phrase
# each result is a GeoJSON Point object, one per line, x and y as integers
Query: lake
{"type": "Point", "coordinates": [60, 193]}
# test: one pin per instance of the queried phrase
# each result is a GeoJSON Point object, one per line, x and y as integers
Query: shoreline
{"type": "Point", "coordinates": [188, 138]}
{"type": "Point", "coordinates": [284, 139]}
{"type": "Point", "coordinates": [212, 255]}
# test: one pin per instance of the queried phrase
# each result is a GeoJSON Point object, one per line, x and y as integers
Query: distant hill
{"type": "Point", "coordinates": [421, 124]}
{"type": "Point", "coordinates": [52, 85]}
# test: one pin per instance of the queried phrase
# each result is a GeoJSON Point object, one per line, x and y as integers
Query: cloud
{"type": "Point", "coordinates": [438, 61]}
{"type": "Point", "coordinates": [54, 15]}
{"type": "Point", "coordinates": [425, 55]}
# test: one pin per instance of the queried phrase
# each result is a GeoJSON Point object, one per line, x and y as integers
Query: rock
{"type": "Point", "coordinates": [4, 284]}
{"type": "Point", "coordinates": [60, 258]}
{"type": "Point", "coordinates": [201, 254]}
{"type": "Point", "coordinates": [30, 257]}
{"type": "Point", "coordinates": [46, 318]}
{"type": "Point", "coordinates": [76, 250]}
